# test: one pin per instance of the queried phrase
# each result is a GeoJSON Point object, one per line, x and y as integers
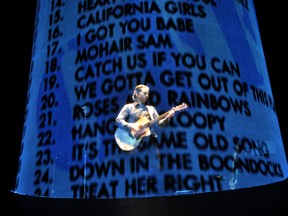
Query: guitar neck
{"type": "Point", "coordinates": [177, 108]}
{"type": "Point", "coordinates": [148, 124]}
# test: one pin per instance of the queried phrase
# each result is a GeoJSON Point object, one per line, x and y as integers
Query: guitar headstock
{"type": "Point", "coordinates": [180, 107]}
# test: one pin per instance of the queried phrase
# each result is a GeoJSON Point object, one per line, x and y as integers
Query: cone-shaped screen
{"type": "Point", "coordinates": [209, 122]}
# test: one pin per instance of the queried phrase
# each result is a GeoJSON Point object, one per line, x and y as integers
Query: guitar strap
{"type": "Point", "coordinates": [150, 112]}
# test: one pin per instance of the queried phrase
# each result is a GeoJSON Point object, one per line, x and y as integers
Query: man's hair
{"type": "Point", "coordinates": [138, 89]}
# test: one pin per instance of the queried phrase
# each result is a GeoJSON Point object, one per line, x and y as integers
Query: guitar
{"type": "Point", "coordinates": [129, 141]}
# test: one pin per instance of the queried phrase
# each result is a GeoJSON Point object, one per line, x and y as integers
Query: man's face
{"type": "Point", "coordinates": [143, 95]}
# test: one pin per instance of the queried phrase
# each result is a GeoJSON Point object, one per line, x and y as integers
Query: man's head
{"type": "Point", "coordinates": [141, 93]}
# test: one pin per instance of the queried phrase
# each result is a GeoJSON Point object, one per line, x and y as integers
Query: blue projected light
{"type": "Point", "coordinates": [201, 59]}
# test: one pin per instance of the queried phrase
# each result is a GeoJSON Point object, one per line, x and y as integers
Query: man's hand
{"type": "Point", "coordinates": [133, 126]}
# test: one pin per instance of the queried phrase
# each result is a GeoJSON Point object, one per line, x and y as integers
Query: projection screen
{"type": "Point", "coordinates": [204, 57]}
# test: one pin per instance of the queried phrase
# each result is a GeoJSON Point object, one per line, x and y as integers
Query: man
{"type": "Point", "coordinates": [136, 121]}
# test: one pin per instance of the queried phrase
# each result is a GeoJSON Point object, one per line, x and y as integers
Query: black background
{"type": "Point", "coordinates": [17, 29]}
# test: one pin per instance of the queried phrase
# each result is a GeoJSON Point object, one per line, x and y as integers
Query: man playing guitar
{"type": "Point", "coordinates": [136, 120]}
